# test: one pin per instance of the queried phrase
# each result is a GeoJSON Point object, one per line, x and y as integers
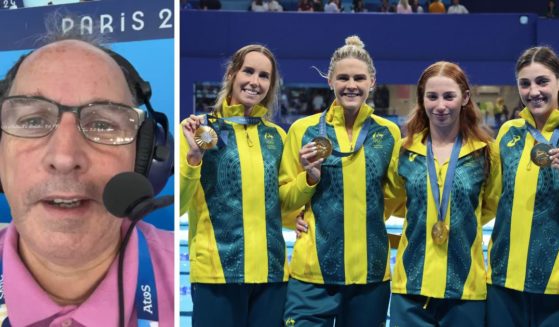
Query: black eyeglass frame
{"type": "Point", "coordinates": [76, 110]}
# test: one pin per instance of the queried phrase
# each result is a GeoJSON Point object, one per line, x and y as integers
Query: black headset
{"type": "Point", "coordinates": [154, 142]}
{"type": "Point", "coordinates": [154, 150]}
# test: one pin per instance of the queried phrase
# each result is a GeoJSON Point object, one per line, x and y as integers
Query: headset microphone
{"type": "Point", "coordinates": [130, 195]}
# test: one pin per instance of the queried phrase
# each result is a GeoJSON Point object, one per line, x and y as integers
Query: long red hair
{"type": "Point", "coordinates": [471, 126]}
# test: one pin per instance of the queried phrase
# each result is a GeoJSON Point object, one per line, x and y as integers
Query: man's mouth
{"type": "Point", "coordinates": [65, 203]}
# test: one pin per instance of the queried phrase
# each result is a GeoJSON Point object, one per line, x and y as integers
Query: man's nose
{"type": "Point", "coordinates": [66, 147]}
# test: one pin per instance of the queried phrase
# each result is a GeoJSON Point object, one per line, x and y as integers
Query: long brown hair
{"type": "Point", "coordinates": [471, 126]}
{"type": "Point", "coordinates": [543, 55]}
{"type": "Point", "coordinates": [233, 67]}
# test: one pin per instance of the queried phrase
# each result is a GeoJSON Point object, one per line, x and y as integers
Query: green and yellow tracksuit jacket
{"type": "Point", "coordinates": [346, 241]}
{"type": "Point", "coordinates": [523, 253]}
{"type": "Point", "coordinates": [456, 269]}
{"type": "Point", "coordinates": [232, 200]}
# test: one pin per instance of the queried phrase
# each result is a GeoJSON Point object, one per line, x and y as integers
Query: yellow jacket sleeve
{"type": "Point", "coordinates": [189, 176]}
{"type": "Point", "coordinates": [493, 186]}
{"type": "Point", "coordinates": [288, 217]}
{"type": "Point", "coordinates": [294, 190]}
{"type": "Point", "coordinates": [394, 189]}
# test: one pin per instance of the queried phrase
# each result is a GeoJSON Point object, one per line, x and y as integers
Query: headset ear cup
{"type": "Point", "coordinates": [162, 163]}
{"type": "Point", "coordinates": [144, 147]}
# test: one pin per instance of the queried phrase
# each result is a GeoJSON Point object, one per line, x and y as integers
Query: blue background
{"type": "Point", "coordinates": [150, 50]}
{"type": "Point", "coordinates": [485, 45]}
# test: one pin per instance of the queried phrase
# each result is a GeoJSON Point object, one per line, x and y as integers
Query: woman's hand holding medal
{"type": "Point", "coordinates": [189, 128]}
{"type": "Point", "coordinates": [311, 162]}
{"type": "Point", "coordinates": [554, 156]}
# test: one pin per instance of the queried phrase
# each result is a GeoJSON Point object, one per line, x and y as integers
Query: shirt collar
{"type": "Point", "coordinates": [20, 287]}
{"type": "Point", "coordinates": [100, 309]}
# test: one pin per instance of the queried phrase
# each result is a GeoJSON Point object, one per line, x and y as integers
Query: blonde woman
{"type": "Point", "coordinates": [340, 267]}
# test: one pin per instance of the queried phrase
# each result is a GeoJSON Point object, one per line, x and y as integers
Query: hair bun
{"type": "Point", "coordinates": [354, 40]}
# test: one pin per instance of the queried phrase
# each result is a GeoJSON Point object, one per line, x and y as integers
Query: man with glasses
{"type": "Point", "coordinates": [68, 125]}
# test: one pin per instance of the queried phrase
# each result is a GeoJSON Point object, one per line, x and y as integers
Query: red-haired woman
{"type": "Point", "coordinates": [445, 178]}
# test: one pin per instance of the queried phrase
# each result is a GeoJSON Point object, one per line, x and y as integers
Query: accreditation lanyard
{"type": "Point", "coordinates": [146, 293]}
{"type": "Point", "coordinates": [241, 120]}
{"type": "Point", "coordinates": [442, 206]}
{"type": "Point", "coordinates": [539, 137]}
{"type": "Point", "coordinates": [360, 138]}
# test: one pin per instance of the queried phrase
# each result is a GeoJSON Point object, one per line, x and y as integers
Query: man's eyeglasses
{"type": "Point", "coordinates": [100, 122]}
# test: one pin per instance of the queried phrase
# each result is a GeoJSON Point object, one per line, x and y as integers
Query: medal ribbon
{"type": "Point", "coordinates": [241, 120]}
{"type": "Point", "coordinates": [442, 206]}
{"type": "Point", "coordinates": [360, 138]}
{"type": "Point", "coordinates": [539, 137]}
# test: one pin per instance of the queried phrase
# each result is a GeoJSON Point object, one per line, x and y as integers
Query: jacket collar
{"type": "Point", "coordinates": [550, 125]}
{"type": "Point", "coordinates": [239, 110]}
{"type": "Point", "coordinates": [420, 148]}
{"type": "Point", "coordinates": [335, 115]}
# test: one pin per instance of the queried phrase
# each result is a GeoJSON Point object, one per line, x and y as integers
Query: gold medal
{"type": "Point", "coordinates": [323, 147]}
{"type": "Point", "coordinates": [540, 154]}
{"type": "Point", "coordinates": [205, 137]}
{"type": "Point", "coordinates": [439, 233]}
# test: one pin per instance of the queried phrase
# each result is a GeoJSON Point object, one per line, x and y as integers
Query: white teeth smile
{"type": "Point", "coordinates": [251, 92]}
{"type": "Point", "coordinates": [65, 203]}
